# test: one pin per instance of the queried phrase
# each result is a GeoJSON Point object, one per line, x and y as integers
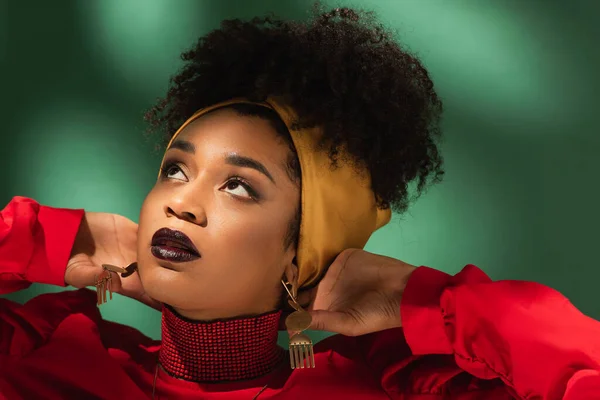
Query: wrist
{"type": "Point", "coordinates": [396, 276]}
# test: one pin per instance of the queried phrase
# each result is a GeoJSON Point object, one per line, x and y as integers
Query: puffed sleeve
{"type": "Point", "coordinates": [35, 243]}
{"type": "Point", "coordinates": [523, 333]}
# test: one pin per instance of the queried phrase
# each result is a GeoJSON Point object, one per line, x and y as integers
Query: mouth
{"type": "Point", "coordinates": [175, 246]}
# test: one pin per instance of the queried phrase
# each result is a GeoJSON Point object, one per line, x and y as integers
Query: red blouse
{"type": "Point", "coordinates": [464, 337]}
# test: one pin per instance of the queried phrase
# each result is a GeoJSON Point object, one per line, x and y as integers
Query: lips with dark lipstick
{"type": "Point", "coordinates": [175, 246]}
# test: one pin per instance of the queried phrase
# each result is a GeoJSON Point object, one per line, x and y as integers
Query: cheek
{"type": "Point", "coordinates": [151, 208]}
{"type": "Point", "coordinates": [253, 239]}
{"type": "Point", "coordinates": [149, 213]}
{"type": "Point", "coordinates": [145, 216]}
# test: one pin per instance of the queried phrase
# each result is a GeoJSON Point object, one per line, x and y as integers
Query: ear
{"type": "Point", "coordinates": [291, 275]}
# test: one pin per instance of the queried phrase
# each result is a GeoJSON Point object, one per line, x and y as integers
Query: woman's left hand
{"type": "Point", "coordinates": [359, 294]}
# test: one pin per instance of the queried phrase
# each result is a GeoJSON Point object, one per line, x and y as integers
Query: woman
{"type": "Point", "coordinates": [290, 142]}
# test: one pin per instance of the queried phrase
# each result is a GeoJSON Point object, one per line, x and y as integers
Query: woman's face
{"type": "Point", "coordinates": [224, 184]}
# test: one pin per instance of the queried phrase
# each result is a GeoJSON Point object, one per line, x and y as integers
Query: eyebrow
{"type": "Point", "coordinates": [184, 146]}
{"type": "Point", "coordinates": [231, 158]}
{"type": "Point", "coordinates": [247, 162]}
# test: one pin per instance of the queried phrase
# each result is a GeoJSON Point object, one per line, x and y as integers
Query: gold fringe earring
{"type": "Point", "coordinates": [301, 346]}
{"type": "Point", "coordinates": [104, 279]}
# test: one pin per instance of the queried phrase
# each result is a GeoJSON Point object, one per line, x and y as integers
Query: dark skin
{"type": "Point", "coordinates": [228, 190]}
{"type": "Point", "coordinates": [239, 232]}
{"type": "Point", "coordinates": [341, 71]}
{"type": "Point", "coordinates": [359, 294]}
{"type": "Point", "coordinates": [105, 238]}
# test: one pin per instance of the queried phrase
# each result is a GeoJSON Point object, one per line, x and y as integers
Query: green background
{"type": "Point", "coordinates": [520, 81]}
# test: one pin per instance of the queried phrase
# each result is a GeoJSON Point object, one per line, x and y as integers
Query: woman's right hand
{"type": "Point", "coordinates": [105, 238]}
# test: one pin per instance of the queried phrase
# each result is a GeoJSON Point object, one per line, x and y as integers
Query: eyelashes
{"type": "Point", "coordinates": [168, 168]}
{"type": "Point", "coordinates": [236, 180]}
{"type": "Point", "coordinates": [172, 170]}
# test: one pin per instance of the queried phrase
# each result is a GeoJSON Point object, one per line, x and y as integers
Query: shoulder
{"type": "Point", "coordinates": [364, 348]}
{"type": "Point", "coordinates": [390, 339]}
{"type": "Point", "coordinates": [30, 325]}
{"type": "Point", "coordinates": [73, 313]}
{"type": "Point", "coordinates": [52, 307]}
{"type": "Point", "coordinates": [337, 344]}
{"type": "Point", "coordinates": [336, 353]}
{"type": "Point", "coordinates": [342, 363]}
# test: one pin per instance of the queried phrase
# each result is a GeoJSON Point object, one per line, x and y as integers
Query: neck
{"type": "Point", "coordinates": [221, 350]}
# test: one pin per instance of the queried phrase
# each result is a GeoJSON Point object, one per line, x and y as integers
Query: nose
{"type": "Point", "coordinates": [186, 210]}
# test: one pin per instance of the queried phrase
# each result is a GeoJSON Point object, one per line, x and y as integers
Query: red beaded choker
{"type": "Point", "coordinates": [219, 351]}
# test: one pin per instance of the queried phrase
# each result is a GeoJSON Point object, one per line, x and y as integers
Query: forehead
{"type": "Point", "coordinates": [228, 131]}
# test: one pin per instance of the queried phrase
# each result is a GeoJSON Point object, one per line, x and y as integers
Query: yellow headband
{"type": "Point", "coordinates": [338, 206]}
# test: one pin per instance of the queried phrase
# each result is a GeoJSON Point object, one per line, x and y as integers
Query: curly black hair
{"type": "Point", "coordinates": [341, 70]}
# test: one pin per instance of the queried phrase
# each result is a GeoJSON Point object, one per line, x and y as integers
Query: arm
{"type": "Point", "coordinates": [524, 333]}
{"type": "Point", "coordinates": [35, 243]}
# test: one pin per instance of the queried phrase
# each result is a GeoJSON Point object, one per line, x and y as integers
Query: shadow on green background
{"type": "Point", "coordinates": [520, 86]}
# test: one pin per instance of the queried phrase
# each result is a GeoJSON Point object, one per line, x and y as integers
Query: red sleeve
{"type": "Point", "coordinates": [524, 333]}
{"type": "Point", "coordinates": [35, 243]}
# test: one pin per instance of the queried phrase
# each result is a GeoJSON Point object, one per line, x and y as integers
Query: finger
{"type": "Point", "coordinates": [331, 321]}
{"type": "Point", "coordinates": [304, 298]}
{"type": "Point", "coordinates": [79, 274]}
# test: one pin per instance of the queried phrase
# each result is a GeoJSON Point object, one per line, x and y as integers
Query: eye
{"type": "Point", "coordinates": [173, 171]}
{"type": "Point", "coordinates": [240, 188]}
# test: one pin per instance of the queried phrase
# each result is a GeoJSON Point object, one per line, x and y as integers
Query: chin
{"type": "Point", "coordinates": [160, 283]}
